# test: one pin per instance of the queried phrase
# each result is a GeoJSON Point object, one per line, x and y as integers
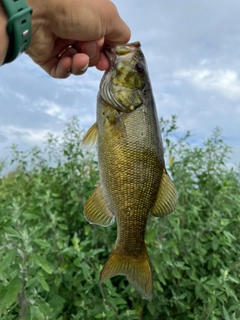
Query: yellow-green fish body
{"type": "Point", "coordinates": [133, 178]}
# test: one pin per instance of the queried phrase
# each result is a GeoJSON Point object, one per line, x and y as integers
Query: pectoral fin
{"type": "Point", "coordinates": [166, 198]}
{"type": "Point", "coordinates": [90, 138]}
{"type": "Point", "coordinates": [96, 210]}
{"type": "Point", "coordinates": [116, 124]}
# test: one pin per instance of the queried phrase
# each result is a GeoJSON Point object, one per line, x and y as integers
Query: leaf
{"type": "Point", "coordinates": [232, 279]}
{"type": "Point", "coordinates": [150, 236]}
{"type": "Point", "coordinates": [62, 226]}
{"type": "Point", "coordinates": [175, 248]}
{"type": "Point", "coordinates": [214, 263]}
{"type": "Point", "coordinates": [161, 278]}
{"type": "Point", "coordinates": [13, 289]}
{"type": "Point", "coordinates": [230, 237]}
{"type": "Point", "coordinates": [121, 301]}
{"type": "Point", "coordinates": [9, 294]}
{"type": "Point", "coordinates": [85, 269]}
{"type": "Point", "coordinates": [151, 308]}
{"type": "Point", "coordinates": [3, 305]}
{"type": "Point", "coordinates": [36, 314]}
{"type": "Point", "coordinates": [42, 243]}
{"type": "Point", "coordinates": [57, 302]}
{"type": "Point", "coordinates": [96, 251]}
{"type": "Point", "coordinates": [44, 284]}
{"type": "Point", "coordinates": [45, 308]}
{"type": "Point", "coordinates": [42, 262]}
{"type": "Point", "coordinates": [226, 315]}
{"type": "Point", "coordinates": [234, 316]}
{"type": "Point", "coordinates": [176, 273]}
{"type": "Point", "coordinates": [199, 292]}
{"type": "Point", "coordinates": [12, 233]}
{"type": "Point", "coordinates": [215, 243]}
{"type": "Point", "coordinates": [7, 260]}
{"type": "Point", "coordinates": [100, 316]}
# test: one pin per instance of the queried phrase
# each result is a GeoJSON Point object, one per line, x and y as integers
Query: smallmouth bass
{"type": "Point", "coordinates": [133, 177]}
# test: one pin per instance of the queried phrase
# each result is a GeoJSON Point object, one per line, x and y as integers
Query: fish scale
{"type": "Point", "coordinates": [133, 177]}
{"type": "Point", "coordinates": [141, 164]}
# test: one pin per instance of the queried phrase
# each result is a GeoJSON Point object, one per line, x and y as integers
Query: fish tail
{"type": "Point", "coordinates": [136, 269]}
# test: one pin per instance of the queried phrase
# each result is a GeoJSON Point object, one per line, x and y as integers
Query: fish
{"type": "Point", "coordinates": [133, 178]}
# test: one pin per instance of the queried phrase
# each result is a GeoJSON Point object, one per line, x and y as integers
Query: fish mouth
{"type": "Point", "coordinates": [114, 54]}
{"type": "Point", "coordinates": [110, 54]}
{"type": "Point", "coordinates": [120, 50]}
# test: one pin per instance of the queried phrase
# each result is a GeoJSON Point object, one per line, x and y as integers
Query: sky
{"type": "Point", "coordinates": [192, 50]}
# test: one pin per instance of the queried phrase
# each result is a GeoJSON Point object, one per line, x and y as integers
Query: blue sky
{"type": "Point", "coordinates": [193, 53]}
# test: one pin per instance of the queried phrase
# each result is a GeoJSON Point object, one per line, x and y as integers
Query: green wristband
{"type": "Point", "coordinates": [19, 27]}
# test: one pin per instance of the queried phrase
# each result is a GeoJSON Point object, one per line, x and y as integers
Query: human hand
{"type": "Point", "coordinates": [67, 36]}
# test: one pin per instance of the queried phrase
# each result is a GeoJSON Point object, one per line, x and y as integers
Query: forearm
{"type": "Point", "coordinates": [3, 34]}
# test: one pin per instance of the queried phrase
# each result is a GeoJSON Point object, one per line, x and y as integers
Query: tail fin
{"type": "Point", "coordinates": [136, 269]}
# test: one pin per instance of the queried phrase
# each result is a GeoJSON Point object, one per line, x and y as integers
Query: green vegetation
{"type": "Point", "coordinates": [50, 257]}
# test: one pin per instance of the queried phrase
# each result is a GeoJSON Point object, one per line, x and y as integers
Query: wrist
{"type": "Point", "coordinates": [40, 27]}
{"type": "Point", "coordinates": [18, 27]}
{"type": "Point", "coordinates": [3, 34]}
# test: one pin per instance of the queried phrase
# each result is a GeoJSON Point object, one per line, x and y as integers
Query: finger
{"type": "Point", "coordinates": [63, 48]}
{"type": "Point", "coordinates": [70, 62]}
{"type": "Point", "coordinates": [100, 43]}
{"type": "Point", "coordinates": [59, 65]}
{"type": "Point", "coordinates": [80, 63]}
{"type": "Point", "coordinates": [117, 31]}
{"type": "Point", "coordinates": [103, 63]}
{"type": "Point", "coordinates": [91, 49]}
{"type": "Point", "coordinates": [118, 37]}
{"type": "Point", "coordinates": [62, 68]}
{"type": "Point", "coordinates": [90, 20]}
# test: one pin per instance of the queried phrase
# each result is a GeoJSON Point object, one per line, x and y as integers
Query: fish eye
{"type": "Point", "coordinates": [139, 67]}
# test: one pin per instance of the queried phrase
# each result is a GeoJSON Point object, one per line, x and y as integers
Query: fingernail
{"type": "Point", "coordinates": [84, 68]}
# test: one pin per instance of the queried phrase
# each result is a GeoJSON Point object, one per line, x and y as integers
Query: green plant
{"type": "Point", "coordinates": [51, 257]}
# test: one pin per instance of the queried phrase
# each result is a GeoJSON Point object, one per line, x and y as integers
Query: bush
{"type": "Point", "coordinates": [50, 257]}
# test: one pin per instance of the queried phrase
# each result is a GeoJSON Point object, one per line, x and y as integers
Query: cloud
{"type": "Point", "coordinates": [224, 82]}
{"type": "Point", "coordinates": [190, 48]}
{"type": "Point", "coordinates": [32, 136]}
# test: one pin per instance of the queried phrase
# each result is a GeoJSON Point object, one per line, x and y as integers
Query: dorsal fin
{"type": "Point", "coordinates": [91, 137]}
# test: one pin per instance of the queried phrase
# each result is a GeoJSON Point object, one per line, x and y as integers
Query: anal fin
{"type": "Point", "coordinates": [96, 210]}
{"type": "Point", "coordinates": [166, 200]}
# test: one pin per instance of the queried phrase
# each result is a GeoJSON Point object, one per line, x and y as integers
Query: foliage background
{"type": "Point", "coordinates": [50, 257]}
